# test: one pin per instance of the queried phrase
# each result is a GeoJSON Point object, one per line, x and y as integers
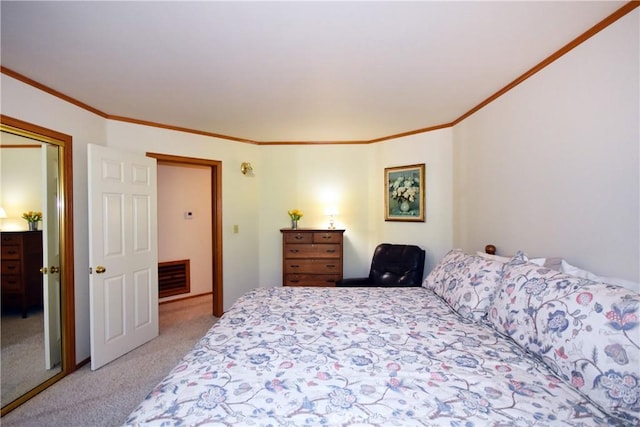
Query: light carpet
{"type": "Point", "coordinates": [106, 397]}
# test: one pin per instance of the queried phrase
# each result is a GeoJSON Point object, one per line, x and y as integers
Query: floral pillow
{"type": "Point", "coordinates": [467, 282]}
{"type": "Point", "coordinates": [438, 278]}
{"type": "Point", "coordinates": [472, 287]}
{"type": "Point", "coordinates": [587, 332]}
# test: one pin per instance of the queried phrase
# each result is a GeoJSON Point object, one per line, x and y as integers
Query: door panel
{"type": "Point", "coordinates": [142, 218]}
{"type": "Point", "coordinates": [113, 236]}
{"type": "Point", "coordinates": [122, 252]}
{"type": "Point", "coordinates": [143, 295]}
{"type": "Point", "coordinates": [114, 295]}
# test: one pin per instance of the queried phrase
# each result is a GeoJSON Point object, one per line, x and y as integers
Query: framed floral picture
{"type": "Point", "coordinates": [404, 193]}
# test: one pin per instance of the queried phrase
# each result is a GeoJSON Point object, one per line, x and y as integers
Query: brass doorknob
{"type": "Point", "coordinates": [100, 269]}
{"type": "Point", "coordinates": [43, 270]}
{"type": "Point", "coordinates": [54, 269]}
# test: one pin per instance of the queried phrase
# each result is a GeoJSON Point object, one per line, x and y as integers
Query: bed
{"type": "Point", "coordinates": [467, 349]}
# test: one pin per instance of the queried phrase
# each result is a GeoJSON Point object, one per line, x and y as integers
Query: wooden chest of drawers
{"type": "Point", "coordinates": [21, 263]}
{"type": "Point", "coordinates": [311, 257]}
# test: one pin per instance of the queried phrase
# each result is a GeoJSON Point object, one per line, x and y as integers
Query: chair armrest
{"type": "Point", "coordinates": [354, 283]}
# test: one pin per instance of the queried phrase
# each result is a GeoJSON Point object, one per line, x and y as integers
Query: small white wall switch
{"type": "Point", "coordinates": [188, 215]}
{"type": "Point", "coordinates": [235, 229]}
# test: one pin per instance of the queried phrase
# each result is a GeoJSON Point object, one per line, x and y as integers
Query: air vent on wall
{"type": "Point", "coordinates": [173, 278]}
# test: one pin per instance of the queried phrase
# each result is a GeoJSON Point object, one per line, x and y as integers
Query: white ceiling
{"type": "Point", "coordinates": [287, 71]}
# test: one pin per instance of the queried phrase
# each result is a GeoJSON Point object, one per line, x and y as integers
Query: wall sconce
{"type": "Point", "coordinates": [246, 168]}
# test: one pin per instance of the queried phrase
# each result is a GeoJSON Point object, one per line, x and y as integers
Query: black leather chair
{"type": "Point", "coordinates": [392, 266]}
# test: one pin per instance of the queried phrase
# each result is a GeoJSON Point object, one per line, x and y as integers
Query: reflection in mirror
{"type": "Point", "coordinates": [31, 344]}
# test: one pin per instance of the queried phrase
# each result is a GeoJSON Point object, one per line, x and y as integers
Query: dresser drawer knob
{"type": "Point", "coordinates": [294, 251]}
{"type": "Point", "coordinates": [295, 266]}
{"type": "Point", "coordinates": [330, 251]}
{"type": "Point", "coordinates": [331, 265]}
{"type": "Point", "coordinates": [298, 237]}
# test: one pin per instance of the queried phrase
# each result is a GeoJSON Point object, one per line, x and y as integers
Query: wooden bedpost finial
{"type": "Point", "coordinates": [490, 249]}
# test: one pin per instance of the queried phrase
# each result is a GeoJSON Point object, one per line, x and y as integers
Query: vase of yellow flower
{"type": "Point", "coordinates": [32, 219]}
{"type": "Point", "coordinates": [295, 215]}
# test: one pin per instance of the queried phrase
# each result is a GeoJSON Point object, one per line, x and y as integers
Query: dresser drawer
{"type": "Point", "coordinates": [327, 237]}
{"type": "Point", "coordinates": [312, 251]}
{"type": "Point", "coordinates": [10, 267]}
{"type": "Point", "coordinates": [311, 279]}
{"type": "Point", "coordinates": [11, 239]}
{"type": "Point", "coordinates": [11, 283]}
{"type": "Point", "coordinates": [10, 252]}
{"type": "Point", "coordinates": [313, 266]}
{"type": "Point", "coordinates": [298, 238]}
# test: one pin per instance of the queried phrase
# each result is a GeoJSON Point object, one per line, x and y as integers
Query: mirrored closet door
{"type": "Point", "coordinates": [37, 284]}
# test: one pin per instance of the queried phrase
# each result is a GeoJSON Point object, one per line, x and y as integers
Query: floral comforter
{"type": "Point", "coordinates": [296, 356]}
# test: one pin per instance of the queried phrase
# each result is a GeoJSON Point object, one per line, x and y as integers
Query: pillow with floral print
{"type": "Point", "coordinates": [439, 277]}
{"type": "Point", "coordinates": [587, 332]}
{"type": "Point", "coordinates": [471, 286]}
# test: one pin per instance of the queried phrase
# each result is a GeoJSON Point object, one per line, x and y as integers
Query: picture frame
{"type": "Point", "coordinates": [404, 193]}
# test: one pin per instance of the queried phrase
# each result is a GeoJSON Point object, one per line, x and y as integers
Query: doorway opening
{"type": "Point", "coordinates": [216, 219]}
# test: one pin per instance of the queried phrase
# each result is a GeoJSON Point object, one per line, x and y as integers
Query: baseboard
{"type": "Point", "coordinates": [82, 363]}
{"type": "Point", "coordinates": [186, 298]}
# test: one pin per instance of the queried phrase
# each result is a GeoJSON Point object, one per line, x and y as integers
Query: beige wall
{"type": "Point", "coordinates": [20, 184]}
{"type": "Point", "coordinates": [312, 179]}
{"type": "Point", "coordinates": [351, 179]}
{"type": "Point", "coordinates": [551, 168]}
{"type": "Point", "coordinates": [186, 188]}
{"type": "Point", "coordinates": [435, 149]}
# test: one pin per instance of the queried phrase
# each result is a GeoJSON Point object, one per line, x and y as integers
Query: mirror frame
{"type": "Point", "coordinates": [67, 304]}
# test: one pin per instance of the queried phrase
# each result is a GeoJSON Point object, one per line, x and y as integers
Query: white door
{"type": "Point", "coordinates": [123, 252]}
{"type": "Point", "coordinates": [51, 257]}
